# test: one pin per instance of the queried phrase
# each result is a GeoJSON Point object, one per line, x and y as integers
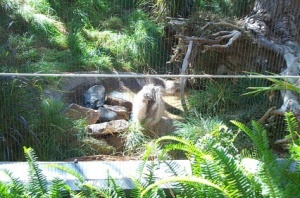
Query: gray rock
{"type": "Point", "coordinates": [94, 97]}
{"type": "Point", "coordinates": [122, 112]}
{"type": "Point", "coordinates": [99, 145]}
{"type": "Point", "coordinates": [105, 128]}
{"type": "Point", "coordinates": [107, 115]}
{"type": "Point", "coordinates": [111, 100]}
{"type": "Point", "coordinates": [75, 111]}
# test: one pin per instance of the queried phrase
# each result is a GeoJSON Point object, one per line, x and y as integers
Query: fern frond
{"type": "Point", "coordinates": [258, 135]}
{"type": "Point", "coordinates": [138, 188]}
{"type": "Point", "coordinates": [116, 190]}
{"type": "Point", "coordinates": [58, 188]}
{"type": "Point", "coordinates": [187, 179]}
{"type": "Point", "coordinates": [291, 124]}
{"type": "Point", "coordinates": [268, 172]}
{"type": "Point", "coordinates": [16, 187]}
{"type": "Point", "coordinates": [151, 178]}
{"type": "Point", "coordinates": [72, 172]}
{"type": "Point", "coordinates": [5, 190]}
{"type": "Point", "coordinates": [236, 181]}
{"type": "Point", "coordinates": [270, 184]}
{"type": "Point", "coordinates": [89, 190]}
{"type": "Point", "coordinates": [183, 145]}
{"type": "Point", "coordinates": [38, 184]}
{"type": "Point", "coordinates": [292, 189]}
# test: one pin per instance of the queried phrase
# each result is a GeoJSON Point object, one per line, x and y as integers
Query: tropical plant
{"type": "Point", "coordinates": [37, 185]}
{"type": "Point", "coordinates": [218, 171]}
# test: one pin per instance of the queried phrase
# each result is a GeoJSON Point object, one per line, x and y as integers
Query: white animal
{"type": "Point", "coordinates": [148, 106]}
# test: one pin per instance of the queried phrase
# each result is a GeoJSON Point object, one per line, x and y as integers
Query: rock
{"type": "Point", "coordinates": [117, 141]}
{"type": "Point", "coordinates": [107, 115]}
{"type": "Point", "coordinates": [94, 97]}
{"type": "Point", "coordinates": [110, 100]}
{"type": "Point", "coordinates": [171, 87]}
{"type": "Point", "coordinates": [122, 112]}
{"type": "Point", "coordinates": [71, 89]}
{"type": "Point", "coordinates": [100, 146]}
{"type": "Point", "coordinates": [75, 111]}
{"type": "Point", "coordinates": [115, 126]}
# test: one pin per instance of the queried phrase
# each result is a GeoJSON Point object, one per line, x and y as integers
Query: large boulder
{"type": "Point", "coordinates": [106, 128]}
{"type": "Point", "coordinates": [111, 100]}
{"type": "Point", "coordinates": [122, 112]}
{"type": "Point", "coordinates": [75, 112]}
{"type": "Point", "coordinates": [107, 115]}
{"type": "Point", "coordinates": [94, 97]}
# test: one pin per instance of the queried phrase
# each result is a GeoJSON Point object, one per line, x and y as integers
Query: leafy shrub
{"type": "Point", "coordinates": [219, 171]}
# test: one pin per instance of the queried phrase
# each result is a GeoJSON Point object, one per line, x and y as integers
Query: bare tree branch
{"type": "Point", "coordinates": [183, 71]}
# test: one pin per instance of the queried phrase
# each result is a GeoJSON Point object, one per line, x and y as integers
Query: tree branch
{"type": "Point", "coordinates": [183, 71]}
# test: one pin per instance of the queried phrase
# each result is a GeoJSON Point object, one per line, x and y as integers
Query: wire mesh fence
{"type": "Point", "coordinates": [63, 66]}
{"type": "Point", "coordinates": [56, 114]}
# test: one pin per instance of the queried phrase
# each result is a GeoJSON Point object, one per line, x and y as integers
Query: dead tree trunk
{"type": "Point", "coordinates": [266, 41]}
{"type": "Point", "coordinates": [275, 25]}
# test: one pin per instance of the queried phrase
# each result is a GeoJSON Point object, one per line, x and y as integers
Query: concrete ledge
{"type": "Point", "coordinates": [95, 172]}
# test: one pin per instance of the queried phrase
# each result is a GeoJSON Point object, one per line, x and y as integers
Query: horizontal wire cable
{"type": "Point", "coordinates": [145, 75]}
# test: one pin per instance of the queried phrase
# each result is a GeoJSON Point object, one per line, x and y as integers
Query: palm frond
{"type": "Point", "coordinates": [278, 84]}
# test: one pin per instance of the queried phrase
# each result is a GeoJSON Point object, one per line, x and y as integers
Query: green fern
{"type": "Point", "coordinates": [237, 181]}
{"type": "Point", "coordinates": [12, 189]}
{"type": "Point", "coordinates": [205, 186]}
{"type": "Point", "coordinates": [271, 173]}
{"type": "Point", "coordinates": [58, 188]}
{"type": "Point", "coordinates": [187, 179]}
{"type": "Point", "coordinates": [38, 185]}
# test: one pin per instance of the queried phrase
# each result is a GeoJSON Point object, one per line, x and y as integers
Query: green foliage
{"type": "Point", "coordinates": [27, 119]}
{"type": "Point", "coordinates": [218, 97]}
{"type": "Point", "coordinates": [195, 127]}
{"type": "Point", "coordinates": [135, 140]}
{"type": "Point", "coordinates": [224, 98]}
{"type": "Point", "coordinates": [16, 114]}
{"type": "Point", "coordinates": [237, 8]}
{"type": "Point", "coordinates": [278, 84]}
{"type": "Point", "coordinates": [271, 172]}
{"type": "Point", "coordinates": [218, 170]}
{"type": "Point", "coordinates": [37, 181]}
{"type": "Point", "coordinates": [12, 189]}
{"type": "Point", "coordinates": [62, 26]}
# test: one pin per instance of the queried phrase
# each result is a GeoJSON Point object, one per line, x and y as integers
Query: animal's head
{"type": "Point", "coordinates": [151, 92]}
